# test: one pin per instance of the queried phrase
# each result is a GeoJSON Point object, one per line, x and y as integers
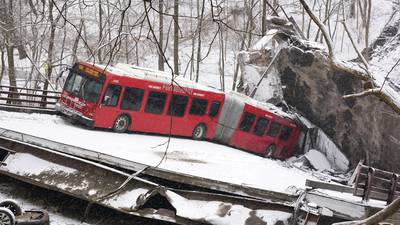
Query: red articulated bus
{"type": "Point", "coordinates": [125, 97]}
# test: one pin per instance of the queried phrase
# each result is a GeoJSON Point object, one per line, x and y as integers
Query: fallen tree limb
{"type": "Point", "coordinates": [379, 94]}
{"type": "Point", "coordinates": [363, 60]}
{"type": "Point", "coordinates": [380, 216]}
{"type": "Point", "coordinates": [361, 94]}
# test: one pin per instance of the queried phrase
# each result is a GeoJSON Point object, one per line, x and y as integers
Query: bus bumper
{"type": "Point", "coordinates": [74, 115]}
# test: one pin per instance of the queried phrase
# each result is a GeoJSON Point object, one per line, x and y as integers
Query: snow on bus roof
{"type": "Point", "coordinates": [262, 105]}
{"type": "Point", "coordinates": [128, 70]}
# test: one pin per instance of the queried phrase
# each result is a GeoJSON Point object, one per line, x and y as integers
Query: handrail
{"type": "Point", "coordinates": [30, 89]}
{"type": "Point", "coordinates": [30, 95]}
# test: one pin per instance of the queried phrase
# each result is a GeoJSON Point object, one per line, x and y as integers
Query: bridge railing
{"type": "Point", "coordinates": [27, 99]}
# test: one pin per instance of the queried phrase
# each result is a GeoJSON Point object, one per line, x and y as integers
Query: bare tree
{"type": "Point", "coordinates": [3, 63]}
{"type": "Point", "coordinates": [199, 30]}
{"type": "Point", "coordinates": [221, 61]}
{"type": "Point", "coordinates": [161, 35]}
{"type": "Point", "coordinates": [356, 72]}
{"type": "Point", "coordinates": [50, 52]}
{"type": "Point", "coordinates": [7, 18]}
{"type": "Point", "coordinates": [101, 28]}
{"type": "Point", "coordinates": [176, 36]}
{"type": "Point", "coordinates": [367, 27]}
{"type": "Point", "coordinates": [263, 17]}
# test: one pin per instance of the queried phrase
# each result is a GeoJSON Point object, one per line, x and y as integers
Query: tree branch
{"type": "Point", "coordinates": [321, 27]}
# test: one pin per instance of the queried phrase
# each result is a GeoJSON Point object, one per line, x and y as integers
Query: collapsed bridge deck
{"type": "Point", "coordinates": [198, 163]}
{"type": "Point", "coordinates": [193, 158]}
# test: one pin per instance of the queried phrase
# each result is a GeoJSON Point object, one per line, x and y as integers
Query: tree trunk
{"type": "Point", "coordinates": [76, 43]}
{"type": "Point", "coordinates": [198, 59]}
{"type": "Point", "coordinates": [99, 52]}
{"type": "Point", "coordinates": [367, 26]}
{"type": "Point", "coordinates": [6, 18]}
{"type": "Point", "coordinates": [251, 23]}
{"type": "Point", "coordinates": [50, 53]}
{"type": "Point", "coordinates": [221, 61]}
{"type": "Point", "coordinates": [352, 9]}
{"type": "Point", "coordinates": [176, 36]}
{"type": "Point", "coordinates": [11, 71]}
{"type": "Point", "coordinates": [161, 35]}
{"type": "Point", "coordinates": [3, 66]}
{"type": "Point", "coordinates": [193, 38]}
{"type": "Point", "coordinates": [242, 45]}
{"type": "Point", "coordinates": [263, 17]}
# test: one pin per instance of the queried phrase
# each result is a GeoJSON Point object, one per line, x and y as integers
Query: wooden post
{"type": "Point", "coordinates": [368, 183]}
{"type": "Point", "coordinates": [395, 178]}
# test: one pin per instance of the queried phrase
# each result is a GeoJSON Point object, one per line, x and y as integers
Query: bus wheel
{"type": "Point", "coordinates": [6, 217]}
{"type": "Point", "coordinates": [269, 152]}
{"type": "Point", "coordinates": [199, 132]}
{"type": "Point", "coordinates": [121, 124]}
{"type": "Point", "coordinates": [12, 206]}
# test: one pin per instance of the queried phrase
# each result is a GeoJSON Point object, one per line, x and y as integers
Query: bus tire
{"type": "Point", "coordinates": [6, 216]}
{"type": "Point", "coordinates": [269, 152]}
{"type": "Point", "coordinates": [199, 132]}
{"type": "Point", "coordinates": [122, 123]}
{"type": "Point", "coordinates": [12, 206]}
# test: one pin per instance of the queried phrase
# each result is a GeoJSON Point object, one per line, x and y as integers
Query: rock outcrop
{"type": "Point", "coordinates": [364, 128]}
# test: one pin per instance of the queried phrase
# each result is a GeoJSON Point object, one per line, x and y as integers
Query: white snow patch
{"type": "Point", "coordinates": [317, 160]}
{"type": "Point", "coordinates": [127, 199]}
{"type": "Point", "coordinates": [24, 163]}
{"type": "Point", "coordinates": [92, 192]}
{"type": "Point", "coordinates": [220, 213]}
{"type": "Point", "coordinates": [333, 154]}
{"type": "Point", "coordinates": [265, 41]}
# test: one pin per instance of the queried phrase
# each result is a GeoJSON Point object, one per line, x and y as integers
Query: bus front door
{"type": "Point", "coordinates": [108, 110]}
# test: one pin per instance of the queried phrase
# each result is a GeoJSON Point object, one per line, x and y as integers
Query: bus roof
{"type": "Point", "coordinates": [261, 105]}
{"type": "Point", "coordinates": [122, 69]}
{"type": "Point", "coordinates": [128, 70]}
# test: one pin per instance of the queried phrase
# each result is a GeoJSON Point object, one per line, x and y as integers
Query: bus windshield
{"type": "Point", "coordinates": [83, 86]}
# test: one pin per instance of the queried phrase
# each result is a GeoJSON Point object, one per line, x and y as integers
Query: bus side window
{"type": "Point", "coordinates": [285, 134]}
{"type": "Point", "coordinates": [247, 121]}
{"type": "Point", "coordinates": [198, 106]}
{"type": "Point", "coordinates": [111, 95]}
{"type": "Point", "coordinates": [132, 99]}
{"type": "Point", "coordinates": [261, 126]}
{"type": "Point", "coordinates": [155, 102]}
{"type": "Point", "coordinates": [274, 129]}
{"type": "Point", "coordinates": [177, 105]}
{"type": "Point", "coordinates": [214, 108]}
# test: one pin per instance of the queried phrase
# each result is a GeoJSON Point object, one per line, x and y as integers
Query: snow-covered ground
{"type": "Point", "coordinates": [198, 158]}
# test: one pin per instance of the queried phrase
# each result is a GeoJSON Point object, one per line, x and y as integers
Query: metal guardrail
{"type": "Point", "coordinates": [28, 99]}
